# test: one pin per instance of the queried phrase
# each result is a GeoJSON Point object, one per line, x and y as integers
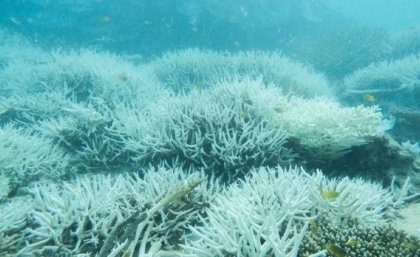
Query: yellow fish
{"type": "Point", "coordinates": [369, 98]}
{"type": "Point", "coordinates": [313, 225]}
{"type": "Point", "coordinates": [352, 242]}
{"type": "Point", "coordinates": [409, 246]}
{"type": "Point", "coordinates": [336, 250]}
{"type": "Point", "coordinates": [197, 87]}
{"type": "Point", "coordinates": [330, 194]}
{"type": "Point", "coordinates": [243, 115]}
{"type": "Point", "coordinates": [279, 110]}
{"type": "Point", "coordinates": [122, 77]}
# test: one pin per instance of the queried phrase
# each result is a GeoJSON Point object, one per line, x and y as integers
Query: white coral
{"type": "Point", "coordinates": [79, 215]}
{"type": "Point", "coordinates": [263, 215]}
{"type": "Point", "coordinates": [182, 70]}
{"type": "Point", "coordinates": [26, 156]}
{"type": "Point", "coordinates": [268, 212]}
{"type": "Point", "coordinates": [386, 76]}
{"type": "Point", "coordinates": [328, 128]}
{"type": "Point", "coordinates": [230, 126]}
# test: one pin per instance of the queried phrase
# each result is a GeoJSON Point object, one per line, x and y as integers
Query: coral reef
{"type": "Point", "coordinates": [101, 213]}
{"type": "Point", "coordinates": [190, 214]}
{"type": "Point", "coordinates": [191, 155]}
{"type": "Point", "coordinates": [184, 70]}
{"type": "Point", "coordinates": [395, 86]}
{"type": "Point", "coordinates": [226, 129]}
{"type": "Point", "coordinates": [26, 157]}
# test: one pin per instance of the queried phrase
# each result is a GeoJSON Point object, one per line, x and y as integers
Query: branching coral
{"type": "Point", "coordinates": [328, 129]}
{"type": "Point", "coordinates": [386, 77]}
{"type": "Point", "coordinates": [85, 74]}
{"type": "Point", "coordinates": [187, 213]}
{"type": "Point", "coordinates": [78, 217]}
{"type": "Point", "coordinates": [268, 213]}
{"type": "Point", "coordinates": [26, 157]}
{"type": "Point", "coordinates": [183, 70]}
{"type": "Point", "coordinates": [225, 129]}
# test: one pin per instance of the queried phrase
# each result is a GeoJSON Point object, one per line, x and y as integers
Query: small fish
{"type": "Point", "coordinates": [336, 250]}
{"type": "Point", "coordinates": [147, 22]}
{"type": "Point", "coordinates": [197, 87]}
{"type": "Point", "coordinates": [313, 225]}
{"type": "Point", "coordinates": [105, 19]}
{"type": "Point", "coordinates": [352, 242]}
{"type": "Point", "coordinates": [279, 110]}
{"type": "Point", "coordinates": [237, 44]}
{"type": "Point", "coordinates": [122, 77]}
{"type": "Point", "coordinates": [243, 115]}
{"type": "Point", "coordinates": [330, 194]}
{"type": "Point", "coordinates": [369, 98]}
{"type": "Point", "coordinates": [409, 246]}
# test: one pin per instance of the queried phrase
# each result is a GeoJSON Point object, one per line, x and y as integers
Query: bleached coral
{"type": "Point", "coordinates": [386, 77]}
{"type": "Point", "coordinates": [268, 212]}
{"type": "Point", "coordinates": [367, 202]}
{"type": "Point", "coordinates": [241, 124]}
{"type": "Point", "coordinates": [263, 215]}
{"type": "Point", "coordinates": [327, 128]}
{"type": "Point", "coordinates": [78, 217]}
{"type": "Point", "coordinates": [186, 213]}
{"type": "Point", "coordinates": [27, 156]}
{"type": "Point", "coordinates": [226, 128]}
{"type": "Point", "coordinates": [182, 70]}
{"type": "Point", "coordinates": [4, 186]}
{"type": "Point", "coordinates": [83, 74]}
{"type": "Point", "coordinates": [12, 222]}
{"type": "Point", "coordinates": [26, 111]}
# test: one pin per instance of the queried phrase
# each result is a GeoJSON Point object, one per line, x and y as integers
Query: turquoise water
{"type": "Point", "coordinates": [209, 128]}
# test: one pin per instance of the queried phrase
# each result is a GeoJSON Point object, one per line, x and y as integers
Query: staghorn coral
{"type": "Point", "coordinates": [386, 77]}
{"type": "Point", "coordinates": [13, 221]}
{"type": "Point", "coordinates": [169, 211]}
{"type": "Point", "coordinates": [183, 70]}
{"type": "Point", "coordinates": [395, 85]}
{"type": "Point", "coordinates": [327, 130]}
{"type": "Point", "coordinates": [267, 214]}
{"type": "Point", "coordinates": [84, 75]}
{"type": "Point", "coordinates": [26, 157]}
{"type": "Point", "coordinates": [226, 129]}
{"type": "Point", "coordinates": [109, 214]}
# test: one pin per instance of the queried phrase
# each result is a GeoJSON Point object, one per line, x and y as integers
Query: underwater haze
{"type": "Point", "coordinates": [210, 128]}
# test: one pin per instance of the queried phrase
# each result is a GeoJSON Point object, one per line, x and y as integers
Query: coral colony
{"type": "Point", "coordinates": [196, 153]}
